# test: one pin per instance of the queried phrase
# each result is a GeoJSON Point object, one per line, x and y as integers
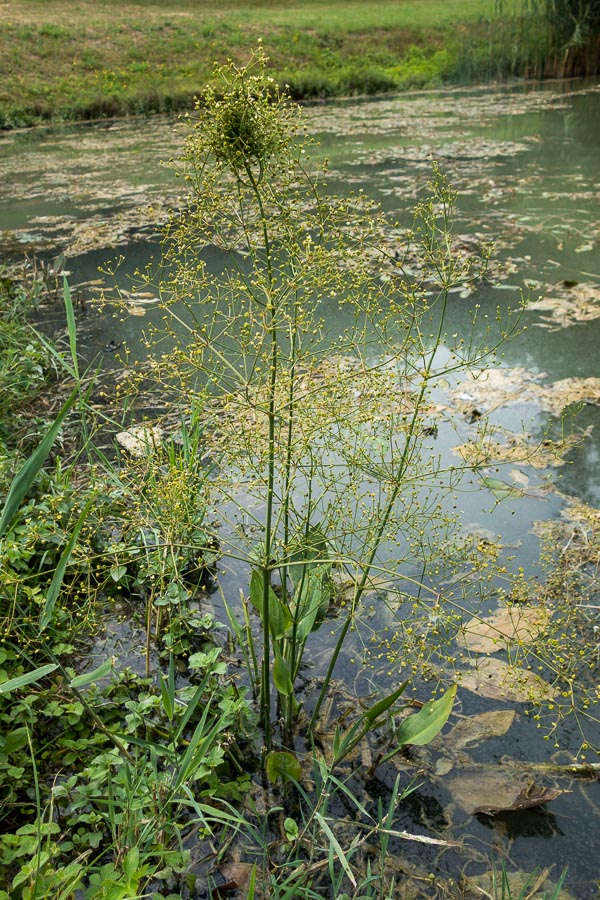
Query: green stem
{"type": "Point", "coordinates": [271, 326]}
{"type": "Point", "coordinates": [382, 525]}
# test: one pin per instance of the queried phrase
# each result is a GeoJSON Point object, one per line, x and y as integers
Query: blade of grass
{"type": "Point", "coordinates": [14, 684]}
{"type": "Point", "coordinates": [59, 572]}
{"type": "Point", "coordinates": [71, 327]}
{"type": "Point", "coordinates": [25, 477]}
{"type": "Point", "coordinates": [336, 847]}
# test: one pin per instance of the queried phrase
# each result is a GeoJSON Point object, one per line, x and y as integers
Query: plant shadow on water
{"type": "Point", "coordinates": [308, 600]}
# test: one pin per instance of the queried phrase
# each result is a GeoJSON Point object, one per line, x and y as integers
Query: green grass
{"type": "Point", "coordinates": [126, 58]}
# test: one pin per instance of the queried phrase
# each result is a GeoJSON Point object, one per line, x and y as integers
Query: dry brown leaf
{"type": "Point", "coordinates": [236, 877]}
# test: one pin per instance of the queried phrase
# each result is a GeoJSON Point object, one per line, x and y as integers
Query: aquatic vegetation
{"type": "Point", "coordinates": [323, 432]}
{"type": "Point", "coordinates": [304, 455]}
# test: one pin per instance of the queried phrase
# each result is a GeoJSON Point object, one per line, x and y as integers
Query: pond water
{"type": "Point", "coordinates": [525, 163]}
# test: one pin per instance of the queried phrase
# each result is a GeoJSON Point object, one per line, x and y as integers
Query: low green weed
{"type": "Point", "coordinates": [95, 779]}
{"type": "Point", "coordinates": [25, 364]}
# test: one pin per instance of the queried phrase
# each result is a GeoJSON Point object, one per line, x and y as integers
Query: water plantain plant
{"type": "Point", "coordinates": [313, 347]}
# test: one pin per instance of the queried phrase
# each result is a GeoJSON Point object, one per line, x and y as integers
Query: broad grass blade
{"type": "Point", "coordinates": [26, 475]}
{"type": "Point", "coordinates": [59, 572]}
{"type": "Point", "coordinates": [15, 683]}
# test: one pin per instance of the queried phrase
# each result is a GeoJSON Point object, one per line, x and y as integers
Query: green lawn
{"type": "Point", "coordinates": [88, 59]}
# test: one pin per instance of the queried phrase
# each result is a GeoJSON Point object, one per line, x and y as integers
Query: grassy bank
{"type": "Point", "coordinates": [112, 58]}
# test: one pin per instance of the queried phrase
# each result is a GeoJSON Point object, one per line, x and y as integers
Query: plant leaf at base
{"type": "Point", "coordinates": [423, 726]}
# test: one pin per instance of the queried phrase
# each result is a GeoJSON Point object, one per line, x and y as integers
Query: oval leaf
{"type": "Point", "coordinates": [283, 764]}
{"type": "Point", "coordinates": [281, 675]}
{"type": "Point", "coordinates": [422, 727]}
{"type": "Point", "coordinates": [279, 617]}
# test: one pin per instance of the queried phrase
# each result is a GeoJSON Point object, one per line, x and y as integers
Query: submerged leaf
{"type": "Point", "coordinates": [491, 677]}
{"type": "Point", "coordinates": [494, 789]}
{"type": "Point", "coordinates": [518, 624]}
{"type": "Point", "coordinates": [536, 886]}
{"type": "Point", "coordinates": [527, 798]}
{"type": "Point", "coordinates": [501, 489]}
{"type": "Point", "coordinates": [475, 729]}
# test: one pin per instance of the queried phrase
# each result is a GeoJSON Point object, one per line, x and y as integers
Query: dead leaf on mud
{"type": "Point", "coordinates": [491, 790]}
{"type": "Point", "coordinates": [235, 876]}
{"type": "Point", "coordinates": [511, 624]}
{"type": "Point", "coordinates": [498, 680]}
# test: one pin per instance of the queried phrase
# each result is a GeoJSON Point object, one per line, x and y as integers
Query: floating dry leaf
{"type": "Point", "coordinates": [493, 678]}
{"type": "Point", "coordinates": [511, 624]}
{"type": "Point", "coordinates": [554, 397]}
{"type": "Point", "coordinates": [568, 304]}
{"type": "Point", "coordinates": [516, 448]}
{"type": "Point", "coordinates": [504, 387]}
{"type": "Point", "coordinates": [493, 388]}
{"type": "Point", "coordinates": [491, 790]}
